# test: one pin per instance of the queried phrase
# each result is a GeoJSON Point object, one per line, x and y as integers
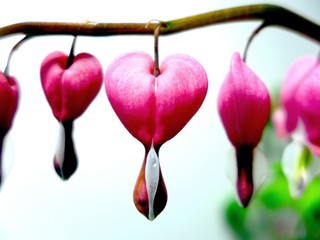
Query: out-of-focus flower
{"type": "Point", "coordinates": [244, 108]}
{"type": "Point", "coordinates": [298, 119]}
{"type": "Point", "coordinates": [9, 98]}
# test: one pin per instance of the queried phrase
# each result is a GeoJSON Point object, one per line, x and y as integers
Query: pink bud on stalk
{"type": "Point", "coordinates": [9, 97]}
{"type": "Point", "coordinates": [154, 109]}
{"type": "Point", "coordinates": [244, 108]}
{"type": "Point", "coordinates": [69, 91]}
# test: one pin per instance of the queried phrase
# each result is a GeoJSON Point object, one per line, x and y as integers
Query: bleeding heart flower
{"type": "Point", "coordinates": [154, 109]}
{"type": "Point", "coordinates": [244, 108]}
{"type": "Point", "coordinates": [9, 97]}
{"type": "Point", "coordinates": [298, 118]}
{"type": "Point", "coordinates": [69, 91]}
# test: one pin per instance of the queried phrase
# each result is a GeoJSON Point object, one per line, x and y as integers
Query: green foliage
{"type": "Point", "coordinates": [274, 214]}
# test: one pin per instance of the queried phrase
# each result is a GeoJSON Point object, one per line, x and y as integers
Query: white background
{"type": "Point", "coordinates": [96, 203]}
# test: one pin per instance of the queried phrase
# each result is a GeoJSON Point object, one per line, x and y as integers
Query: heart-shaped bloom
{"type": "Point", "coordinates": [69, 91]}
{"type": "Point", "coordinates": [244, 108]}
{"type": "Point", "coordinates": [9, 98]}
{"type": "Point", "coordinates": [298, 118]}
{"type": "Point", "coordinates": [154, 109]}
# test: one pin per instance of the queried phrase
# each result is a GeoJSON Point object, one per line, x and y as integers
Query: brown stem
{"type": "Point", "coordinates": [272, 15]}
{"type": "Point", "coordinates": [71, 54]}
{"type": "Point", "coordinates": [156, 69]}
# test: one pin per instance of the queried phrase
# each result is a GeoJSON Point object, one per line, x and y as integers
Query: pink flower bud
{"type": "Point", "coordinates": [243, 104]}
{"type": "Point", "coordinates": [244, 108]}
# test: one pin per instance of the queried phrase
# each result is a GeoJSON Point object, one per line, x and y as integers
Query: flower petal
{"type": "Point", "coordinates": [243, 104]}
{"type": "Point", "coordinates": [299, 167]}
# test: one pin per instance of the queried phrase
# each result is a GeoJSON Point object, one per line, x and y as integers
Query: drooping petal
{"type": "Point", "coordinates": [9, 97]}
{"type": "Point", "coordinates": [308, 99]}
{"type": "Point", "coordinates": [130, 87]}
{"type": "Point", "coordinates": [292, 82]}
{"type": "Point", "coordinates": [243, 104]}
{"type": "Point", "coordinates": [181, 88]}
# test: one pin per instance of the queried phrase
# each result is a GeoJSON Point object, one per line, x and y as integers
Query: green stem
{"type": "Point", "coordinates": [272, 15]}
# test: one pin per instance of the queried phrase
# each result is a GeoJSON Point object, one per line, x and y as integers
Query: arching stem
{"type": "Point", "coordinates": [15, 47]}
{"type": "Point", "coordinates": [255, 33]}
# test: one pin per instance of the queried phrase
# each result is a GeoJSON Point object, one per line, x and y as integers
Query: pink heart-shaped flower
{"type": "Point", "coordinates": [69, 91]}
{"type": "Point", "coordinates": [154, 109]}
{"type": "Point", "coordinates": [70, 86]}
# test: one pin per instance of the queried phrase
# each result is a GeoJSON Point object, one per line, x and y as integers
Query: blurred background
{"type": "Point", "coordinates": [96, 203]}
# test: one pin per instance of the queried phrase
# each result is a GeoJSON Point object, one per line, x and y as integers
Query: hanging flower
{"type": "Point", "coordinates": [244, 108]}
{"type": "Point", "coordinates": [154, 109]}
{"type": "Point", "coordinates": [9, 97]}
{"type": "Point", "coordinates": [298, 119]}
{"type": "Point", "coordinates": [69, 86]}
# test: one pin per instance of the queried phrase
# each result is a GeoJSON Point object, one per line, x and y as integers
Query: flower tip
{"type": "Point", "coordinates": [245, 190]}
{"type": "Point", "coordinates": [150, 194]}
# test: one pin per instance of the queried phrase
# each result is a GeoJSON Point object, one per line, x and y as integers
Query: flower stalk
{"type": "Point", "coordinates": [271, 15]}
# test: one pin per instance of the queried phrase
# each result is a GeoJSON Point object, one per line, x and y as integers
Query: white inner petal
{"type": "Point", "coordinates": [152, 178]}
{"type": "Point", "coordinates": [299, 167]}
{"type": "Point", "coordinates": [260, 168]}
{"type": "Point", "coordinates": [7, 156]}
{"type": "Point", "coordinates": [60, 145]}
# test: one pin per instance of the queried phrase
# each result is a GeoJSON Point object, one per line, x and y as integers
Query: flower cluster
{"type": "Point", "coordinates": [156, 107]}
{"type": "Point", "coordinates": [244, 108]}
{"type": "Point", "coordinates": [298, 119]}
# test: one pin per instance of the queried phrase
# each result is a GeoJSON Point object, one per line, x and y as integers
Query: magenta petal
{"type": "Point", "coordinates": [181, 88]}
{"type": "Point", "coordinates": [130, 87]}
{"type": "Point", "coordinates": [243, 104]}
{"type": "Point", "coordinates": [308, 98]}
{"type": "Point", "coordinates": [9, 97]}
{"type": "Point", "coordinates": [294, 77]}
